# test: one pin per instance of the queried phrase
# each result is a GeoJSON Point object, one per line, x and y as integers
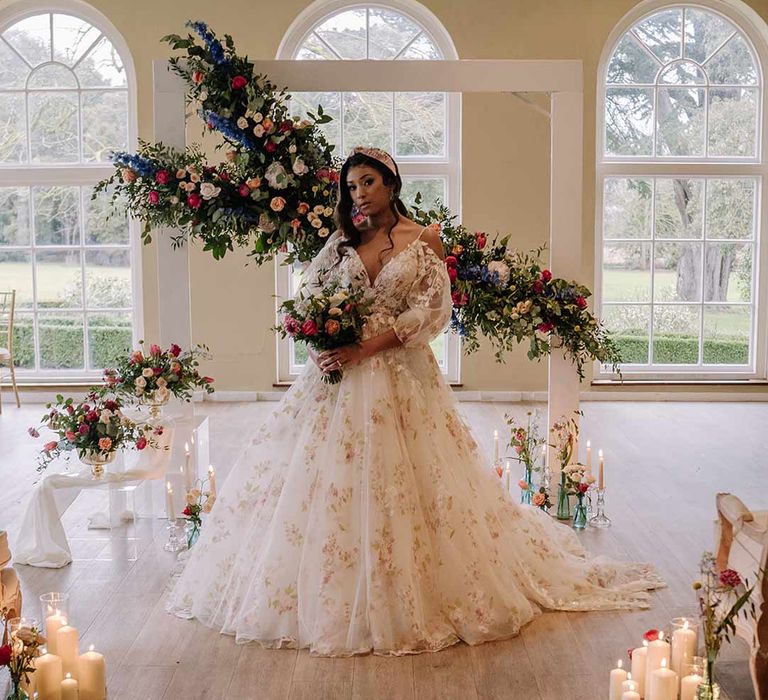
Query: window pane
{"type": "Point", "coordinates": [299, 350]}
{"type": "Point", "coordinates": [313, 49]}
{"type": "Point", "coordinates": [14, 216]}
{"type": "Point", "coordinates": [61, 340]}
{"type": "Point", "coordinates": [53, 127]}
{"type": "Point", "coordinates": [303, 102]}
{"type": "Point", "coordinates": [420, 118]}
{"type": "Point", "coordinates": [423, 49]}
{"type": "Point", "coordinates": [72, 37]}
{"type": "Point", "coordinates": [733, 64]}
{"type": "Point", "coordinates": [629, 121]}
{"type": "Point", "coordinates": [679, 208]}
{"type": "Point", "coordinates": [676, 334]}
{"type": "Point", "coordinates": [368, 120]}
{"type": "Point", "coordinates": [732, 121]}
{"type": "Point", "coordinates": [680, 122]}
{"type": "Point", "coordinates": [662, 34]}
{"type": "Point", "coordinates": [727, 330]}
{"type": "Point", "coordinates": [13, 135]}
{"type": "Point", "coordinates": [109, 337]}
{"type": "Point", "coordinates": [677, 272]}
{"type": "Point", "coordinates": [438, 349]}
{"type": "Point", "coordinates": [728, 272]}
{"type": "Point", "coordinates": [13, 71]}
{"type": "Point", "coordinates": [627, 272]}
{"type": "Point", "coordinates": [630, 324]}
{"type": "Point", "coordinates": [103, 225]}
{"type": "Point", "coordinates": [52, 75]}
{"type": "Point", "coordinates": [705, 32]}
{"type": "Point", "coordinates": [57, 215]}
{"type": "Point", "coordinates": [59, 279]}
{"type": "Point", "coordinates": [683, 73]}
{"type": "Point", "coordinates": [16, 273]}
{"type": "Point", "coordinates": [108, 279]}
{"type": "Point", "coordinates": [631, 63]}
{"type": "Point", "coordinates": [731, 205]}
{"type": "Point", "coordinates": [627, 208]}
{"type": "Point", "coordinates": [31, 37]}
{"type": "Point", "coordinates": [388, 33]}
{"type": "Point", "coordinates": [101, 67]}
{"type": "Point", "coordinates": [105, 124]}
{"type": "Point", "coordinates": [345, 34]}
{"type": "Point", "coordinates": [431, 189]}
{"type": "Point", "coordinates": [23, 340]}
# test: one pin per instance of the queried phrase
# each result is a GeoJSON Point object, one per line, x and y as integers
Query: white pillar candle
{"type": "Point", "coordinates": [629, 684]}
{"type": "Point", "coordinates": [495, 446]}
{"type": "Point", "coordinates": [689, 685]}
{"type": "Point", "coordinates": [658, 650]}
{"type": "Point", "coordinates": [630, 695]}
{"type": "Point", "coordinates": [49, 677]}
{"type": "Point", "coordinates": [69, 689]}
{"type": "Point", "coordinates": [639, 662]}
{"type": "Point", "coordinates": [618, 676]}
{"type": "Point", "coordinates": [663, 683]}
{"type": "Point", "coordinates": [601, 471]}
{"type": "Point", "coordinates": [93, 676]}
{"type": "Point", "coordinates": [52, 625]}
{"type": "Point", "coordinates": [211, 481]}
{"type": "Point", "coordinates": [169, 509]}
{"type": "Point", "coordinates": [68, 648]}
{"type": "Point", "coordinates": [683, 648]}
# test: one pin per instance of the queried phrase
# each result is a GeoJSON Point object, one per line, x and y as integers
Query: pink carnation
{"type": "Point", "coordinates": [291, 325]}
{"type": "Point", "coordinates": [730, 578]}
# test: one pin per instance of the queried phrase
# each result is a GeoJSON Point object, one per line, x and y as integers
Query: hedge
{"type": "Point", "coordinates": [682, 350]}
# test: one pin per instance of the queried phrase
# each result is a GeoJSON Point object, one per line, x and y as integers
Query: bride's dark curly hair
{"type": "Point", "coordinates": [343, 215]}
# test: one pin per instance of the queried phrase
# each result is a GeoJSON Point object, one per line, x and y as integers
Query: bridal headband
{"type": "Point", "coordinates": [376, 154]}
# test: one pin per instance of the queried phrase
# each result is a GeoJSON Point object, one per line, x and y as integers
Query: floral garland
{"type": "Point", "coordinates": [275, 193]}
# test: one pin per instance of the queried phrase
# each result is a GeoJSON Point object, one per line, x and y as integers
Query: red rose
{"type": "Point", "coordinates": [309, 327]}
{"type": "Point", "coordinates": [334, 175]}
{"type": "Point", "coordinates": [244, 190]}
{"type": "Point", "coordinates": [452, 273]}
{"type": "Point", "coordinates": [175, 350]}
{"type": "Point", "coordinates": [70, 409]}
{"type": "Point", "coordinates": [111, 405]}
{"type": "Point", "coordinates": [583, 488]}
{"type": "Point", "coordinates": [730, 578]}
{"type": "Point", "coordinates": [154, 197]}
{"type": "Point", "coordinates": [480, 239]}
{"type": "Point", "coordinates": [157, 370]}
{"type": "Point", "coordinates": [83, 429]}
{"type": "Point", "coordinates": [155, 349]}
{"type": "Point", "coordinates": [239, 82]}
{"type": "Point", "coordinates": [546, 275]}
{"type": "Point", "coordinates": [546, 327]}
{"type": "Point", "coordinates": [538, 286]}
{"type": "Point", "coordinates": [186, 511]}
{"type": "Point", "coordinates": [5, 654]}
{"type": "Point", "coordinates": [208, 380]}
{"type": "Point", "coordinates": [141, 443]}
{"type": "Point", "coordinates": [581, 302]}
{"type": "Point", "coordinates": [286, 126]}
{"type": "Point", "coordinates": [270, 146]}
{"type": "Point", "coordinates": [224, 176]}
{"type": "Point", "coordinates": [451, 261]}
{"type": "Point", "coordinates": [651, 635]}
{"type": "Point", "coordinates": [194, 200]}
{"type": "Point", "coordinates": [459, 298]}
{"type": "Point", "coordinates": [162, 177]}
{"type": "Point", "coordinates": [197, 77]}
{"type": "Point", "coordinates": [70, 436]}
{"type": "Point", "coordinates": [92, 416]}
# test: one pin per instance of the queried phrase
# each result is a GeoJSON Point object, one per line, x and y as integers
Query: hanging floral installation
{"type": "Point", "coordinates": [275, 192]}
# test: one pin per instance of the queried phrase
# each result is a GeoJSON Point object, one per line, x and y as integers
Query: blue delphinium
{"type": "Point", "coordinates": [228, 128]}
{"type": "Point", "coordinates": [214, 45]}
{"type": "Point", "coordinates": [142, 166]}
{"type": "Point", "coordinates": [456, 324]}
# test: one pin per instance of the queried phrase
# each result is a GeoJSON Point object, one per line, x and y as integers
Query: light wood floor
{"type": "Point", "coordinates": [665, 462]}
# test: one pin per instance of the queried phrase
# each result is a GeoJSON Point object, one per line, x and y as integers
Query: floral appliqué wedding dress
{"type": "Point", "coordinates": [361, 516]}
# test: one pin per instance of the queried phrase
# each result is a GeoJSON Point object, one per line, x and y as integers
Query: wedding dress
{"type": "Point", "coordinates": [361, 516]}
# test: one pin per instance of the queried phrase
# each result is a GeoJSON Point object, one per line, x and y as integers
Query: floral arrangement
{"type": "Point", "coordinates": [723, 596]}
{"type": "Point", "coordinates": [200, 500]}
{"type": "Point", "coordinates": [330, 319]}
{"type": "Point", "coordinates": [577, 479]}
{"type": "Point", "coordinates": [508, 297]}
{"type": "Point", "coordinates": [18, 651]}
{"type": "Point", "coordinates": [274, 192]}
{"type": "Point", "coordinates": [155, 376]}
{"type": "Point", "coordinates": [526, 442]}
{"type": "Point", "coordinates": [95, 427]}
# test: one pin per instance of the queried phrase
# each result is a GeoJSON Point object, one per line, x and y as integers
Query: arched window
{"type": "Point", "coordinates": [66, 101]}
{"type": "Point", "coordinates": [680, 180]}
{"type": "Point", "coordinates": [420, 129]}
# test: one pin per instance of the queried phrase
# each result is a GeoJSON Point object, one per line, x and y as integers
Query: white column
{"type": "Point", "coordinates": [565, 237]}
{"type": "Point", "coordinates": [173, 291]}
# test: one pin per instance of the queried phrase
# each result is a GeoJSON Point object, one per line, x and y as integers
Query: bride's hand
{"type": "Point", "coordinates": [332, 360]}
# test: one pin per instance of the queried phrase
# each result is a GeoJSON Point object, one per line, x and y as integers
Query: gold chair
{"type": "Point", "coordinates": [7, 307]}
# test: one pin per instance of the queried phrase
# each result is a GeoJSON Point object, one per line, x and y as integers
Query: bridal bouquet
{"type": "Point", "coordinates": [95, 428]}
{"type": "Point", "coordinates": [327, 320]}
{"type": "Point", "coordinates": [155, 376]}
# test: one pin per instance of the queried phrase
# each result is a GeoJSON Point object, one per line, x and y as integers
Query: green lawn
{"type": "Point", "coordinates": [634, 285]}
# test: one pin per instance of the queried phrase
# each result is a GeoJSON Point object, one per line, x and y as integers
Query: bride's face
{"type": "Point", "coordinates": [368, 191]}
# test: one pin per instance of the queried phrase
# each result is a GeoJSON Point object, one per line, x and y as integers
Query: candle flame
{"type": "Point", "coordinates": [210, 469]}
{"type": "Point", "coordinates": [619, 663]}
{"type": "Point", "coordinates": [600, 454]}
{"type": "Point", "coordinates": [663, 663]}
{"type": "Point", "coordinates": [168, 486]}
{"type": "Point", "coordinates": [495, 433]}
{"type": "Point", "coordinates": [645, 642]}
{"type": "Point", "coordinates": [91, 648]}
{"type": "Point", "coordinates": [685, 625]}
{"type": "Point", "coordinates": [69, 675]}
{"type": "Point", "coordinates": [629, 675]}
{"type": "Point", "coordinates": [661, 636]}
{"type": "Point", "coordinates": [632, 686]}
{"type": "Point", "coordinates": [186, 447]}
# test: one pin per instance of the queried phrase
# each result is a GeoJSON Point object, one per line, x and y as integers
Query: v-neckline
{"type": "Point", "coordinates": [372, 283]}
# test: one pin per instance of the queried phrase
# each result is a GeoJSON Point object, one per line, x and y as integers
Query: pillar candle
{"type": "Point", "coordinates": [630, 695]}
{"type": "Point", "coordinates": [600, 473]}
{"type": "Point", "coordinates": [495, 446]}
{"type": "Point", "coordinates": [658, 650]}
{"type": "Point", "coordinates": [69, 689]}
{"type": "Point", "coordinates": [618, 676]}
{"type": "Point", "coordinates": [689, 685]}
{"type": "Point", "coordinates": [49, 676]}
{"type": "Point", "coordinates": [93, 676]}
{"type": "Point", "coordinates": [52, 625]}
{"type": "Point", "coordinates": [663, 683]}
{"type": "Point", "coordinates": [211, 481]}
{"type": "Point", "coordinates": [683, 648]}
{"type": "Point", "coordinates": [639, 662]}
{"type": "Point", "coordinates": [170, 511]}
{"type": "Point", "coordinates": [629, 684]}
{"type": "Point", "coordinates": [68, 648]}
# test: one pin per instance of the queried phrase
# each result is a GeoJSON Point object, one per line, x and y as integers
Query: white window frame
{"type": "Point", "coordinates": [447, 167]}
{"type": "Point", "coordinates": [79, 174]}
{"type": "Point", "coordinates": [755, 31]}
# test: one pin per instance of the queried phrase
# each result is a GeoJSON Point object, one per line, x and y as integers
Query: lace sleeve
{"type": "Point", "coordinates": [429, 302]}
{"type": "Point", "coordinates": [315, 275]}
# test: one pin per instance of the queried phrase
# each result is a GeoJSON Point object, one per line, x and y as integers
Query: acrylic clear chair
{"type": "Point", "coordinates": [7, 308]}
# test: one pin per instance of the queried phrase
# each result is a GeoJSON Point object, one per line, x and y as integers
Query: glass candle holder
{"type": "Point", "coordinates": [684, 636]}
{"type": "Point", "coordinates": [54, 613]}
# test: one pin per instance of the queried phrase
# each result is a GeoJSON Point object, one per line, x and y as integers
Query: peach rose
{"type": "Point", "coordinates": [332, 327]}
{"type": "Point", "coordinates": [277, 204]}
{"type": "Point", "coordinates": [105, 443]}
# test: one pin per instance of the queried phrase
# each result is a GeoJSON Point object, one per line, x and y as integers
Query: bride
{"type": "Point", "coordinates": [361, 516]}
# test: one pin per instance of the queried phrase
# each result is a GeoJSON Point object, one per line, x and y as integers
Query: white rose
{"type": "Point", "coordinates": [140, 382]}
{"type": "Point", "coordinates": [258, 117]}
{"type": "Point", "coordinates": [161, 382]}
{"type": "Point", "coordinates": [500, 268]}
{"type": "Point", "coordinates": [209, 190]}
{"type": "Point", "coordinates": [174, 199]}
{"type": "Point", "coordinates": [319, 209]}
{"type": "Point", "coordinates": [242, 123]}
{"type": "Point", "coordinates": [335, 312]}
{"type": "Point", "coordinates": [147, 372]}
{"type": "Point", "coordinates": [299, 167]}
{"type": "Point", "coordinates": [106, 414]}
{"type": "Point", "coordinates": [338, 297]}
{"type": "Point", "coordinates": [203, 96]}
{"type": "Point", "coordinates": [292, 148]}
{"type": "Point", "coordinates": [258, 130]}
{"type": "Point", "coordinates": [323, 232]}
{"type": "Point", "coordinates": [328, 211]}
{"type": "Point", "coordinates": [139, 391]}
{"type": "Point", "coordinates": [316, 223]}
{"type": "Point", "coordinates": [273, 172]}
{"type": "Point", "coordinates": [161, 394]}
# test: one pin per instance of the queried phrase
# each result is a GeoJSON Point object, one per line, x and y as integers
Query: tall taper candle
{"type": "Point", "coordinates": [600, 474]}
{"type": "Point", "coordinates": [170, 511]}
{"type": "Point", "coordinates": [589, 456]}
{"type": "Point", "coordinates": [188, 481]}
{"type": "Point", "coordinates": [211, 480]}
{"type": "Point", "coordinates": [495, 446]}
{"type": "Point", "coordinates": [508, 477]}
